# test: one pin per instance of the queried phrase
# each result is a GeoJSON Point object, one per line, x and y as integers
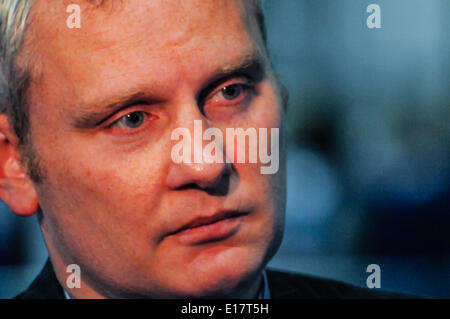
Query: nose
{"type": "Point", "coordinates": [203, 172]}
{"type": "Point", "coordinates": [213, 178]}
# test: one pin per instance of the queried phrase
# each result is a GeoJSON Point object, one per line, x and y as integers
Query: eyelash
{"type": "Point", "coordinates": [245, 87]}
{"type": "Point", "coordinates": [114, 129]}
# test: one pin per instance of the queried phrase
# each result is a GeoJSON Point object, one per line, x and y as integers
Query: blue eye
{"type": "Point", "coordinates": [131, 120]}
{"type": "Point", "coordinates": [232, 92]}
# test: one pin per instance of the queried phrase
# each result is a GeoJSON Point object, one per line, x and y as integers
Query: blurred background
{"type": "Point", "coordinates": [369, 147]}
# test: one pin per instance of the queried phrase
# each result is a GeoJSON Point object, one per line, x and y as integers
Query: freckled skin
{"type": "Point", "coordinates": [111, 199]}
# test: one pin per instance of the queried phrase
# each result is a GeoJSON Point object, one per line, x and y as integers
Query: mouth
{"type": "Point", "coordinates": [210, 229]}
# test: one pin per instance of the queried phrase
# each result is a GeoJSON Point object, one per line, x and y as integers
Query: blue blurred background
{"type": "Point", "coordinates": [369, 147]}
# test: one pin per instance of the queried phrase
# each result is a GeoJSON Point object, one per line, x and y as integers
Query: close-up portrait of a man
{"type": "Point", "coordinates": [86, 136]}
{"type": "Point", "coordinates": [149, 139]}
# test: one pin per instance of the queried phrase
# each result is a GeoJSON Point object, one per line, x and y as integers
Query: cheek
{"type": "Point", "coordinates": [108, 187]}
{"type": "Point", "coordinates": [268, 189]}
{"type": "Point", "coordinates": [267, 111]}
{"type": "Point", "coordinates": [89, 198]}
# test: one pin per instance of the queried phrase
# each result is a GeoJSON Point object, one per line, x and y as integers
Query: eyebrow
{"type": "Point", "coordinates": [91, 118]}
{"type": "Point", "coordinates": [252, 65]}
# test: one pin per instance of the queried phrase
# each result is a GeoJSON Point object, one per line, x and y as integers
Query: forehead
{"type": "Point", "coordinates": [116, 38]}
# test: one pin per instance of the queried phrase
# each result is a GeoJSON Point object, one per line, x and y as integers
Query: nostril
{"type": "Point", "coordinates": [221, 188]}
{"type": "Point", "coordinates": [217, 187]}
{"type": "Point", "coordinates": [189, 186]}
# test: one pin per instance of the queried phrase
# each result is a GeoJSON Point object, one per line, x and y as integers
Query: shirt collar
{"type": "Point", "coordinates": [264, 292]}
{"type": "Point", "coordinates": [66, 294]}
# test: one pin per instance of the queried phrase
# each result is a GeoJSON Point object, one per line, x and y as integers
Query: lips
{"type": "Point", "coordinates": [211, 228]}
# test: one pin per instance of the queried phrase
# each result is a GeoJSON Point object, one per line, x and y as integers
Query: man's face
{"type": "Point", "coordinates": [103, 108]}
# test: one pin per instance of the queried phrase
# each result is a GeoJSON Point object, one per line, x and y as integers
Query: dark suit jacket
{"type": "Point", "coordinates": [282, 285]}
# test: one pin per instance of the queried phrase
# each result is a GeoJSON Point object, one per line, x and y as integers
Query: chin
{"type": "Point", "coordinates": [220, 286]}
{"type": "Point", "coordinates": [230, 277]}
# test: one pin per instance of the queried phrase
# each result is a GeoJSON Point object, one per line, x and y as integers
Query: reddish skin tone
{"type": "Point", "coordinates": [112, 196]}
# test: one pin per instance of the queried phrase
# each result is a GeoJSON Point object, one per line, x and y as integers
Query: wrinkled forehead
{"type": "Point", "coordinates": [155, 26]}
{"type": "Point", "coordinates": [161, 22]}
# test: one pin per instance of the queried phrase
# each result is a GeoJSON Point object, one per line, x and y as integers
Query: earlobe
{"type": "Point", "coordinates": [23, 200]}
{"type": "Point", "coordinates": [16, 189]}
{"type": "Point", "coordinates": [20, 195]}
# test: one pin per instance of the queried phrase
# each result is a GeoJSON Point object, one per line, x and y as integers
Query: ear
{"type": "Point", "coordinates": [16, 189]}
